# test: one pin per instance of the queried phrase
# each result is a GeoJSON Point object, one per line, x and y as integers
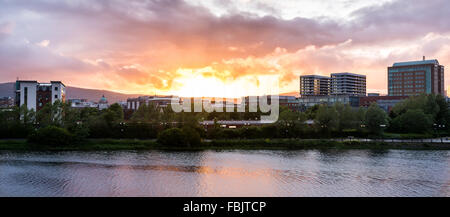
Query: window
{"type": "Point", "coordinates": [56, 96]}
{"type": "Point", "coordinates": [56, 88]}
{"type": "Point", "coordinates": [25, 95]}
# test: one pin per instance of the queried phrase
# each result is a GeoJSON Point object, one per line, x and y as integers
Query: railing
{"type": "Point", "coordinates": [433, 140]}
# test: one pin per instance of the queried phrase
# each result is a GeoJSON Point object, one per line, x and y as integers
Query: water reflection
{"type": "Point", "coordinates": [226, 173]}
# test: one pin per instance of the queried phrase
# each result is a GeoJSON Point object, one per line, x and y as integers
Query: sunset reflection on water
{"type": "Point", "coordinates": [226, 173]}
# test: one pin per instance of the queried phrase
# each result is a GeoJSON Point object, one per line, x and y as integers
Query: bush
{"type": "Point", "coordinates": [250, 132]}
{"type": "Point", "coordinates": [172, 137]}
{"type": "Point", "coordinates": [192, 137]}
{"type": "Point", "coordinates": [412, 121]}
{"type": "Point", "coordinates": [51, 136]}
{"type": "Point", "coordinates": [270, 131]}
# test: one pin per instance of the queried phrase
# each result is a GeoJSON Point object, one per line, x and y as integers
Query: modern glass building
{"type": "Point", "coordinates": [416, 77]}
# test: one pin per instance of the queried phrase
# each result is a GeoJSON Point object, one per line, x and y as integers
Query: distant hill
{"type": "Point", "coordinates": [7, 89]}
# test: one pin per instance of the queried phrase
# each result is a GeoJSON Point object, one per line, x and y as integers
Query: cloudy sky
{"type": "Point", "coordinates": [215, 47]}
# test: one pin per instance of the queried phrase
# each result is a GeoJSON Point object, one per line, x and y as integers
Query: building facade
{"type": "Point", "coordinates": [159, 101]}
{"type": "Point", "coordinates": [348, 84]}
{"type": "Point", "coordinates": [306, 102]}
{"type": "Point", "coordinates": [36, 95]}
{"type": "Point", "coordinates": [103, 103]}
{"type": "Point", "coordinates": [82, 103]}
{"type": "Point", "coordinates": [415, 78]}
{"type": "Point", "coordinates": [6, 102]}
{"type": "Point", "coordinates": [314, 85]}
{"type": "Point", "coordinates": [384, 102]}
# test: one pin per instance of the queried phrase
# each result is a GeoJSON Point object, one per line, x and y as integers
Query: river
{"type": "Point", "coordinates": [226, 173]}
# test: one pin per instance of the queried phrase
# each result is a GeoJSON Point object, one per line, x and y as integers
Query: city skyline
{"type": "Point", "coordinates": [175, 46]}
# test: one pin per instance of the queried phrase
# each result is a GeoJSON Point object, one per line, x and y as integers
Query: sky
{"type": "Point", "coordinates": [223, 48]}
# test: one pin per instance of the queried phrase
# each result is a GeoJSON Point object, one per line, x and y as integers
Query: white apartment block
{"type": "Point", "coordinates": [36, 95]}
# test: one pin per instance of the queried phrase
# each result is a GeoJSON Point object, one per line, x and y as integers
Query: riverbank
{"type": "Point", "coordinates": [229, 144]}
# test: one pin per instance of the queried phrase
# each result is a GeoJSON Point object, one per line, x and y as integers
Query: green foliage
{"type": "Point", "coordinates": [327, 118]}
{"type": "Point", "coordinates": [17, 122]}
{"type": "Point", "coordinates": [146, 113]}
{"type": "Point", "coordinates": [425, 114]}
{"type": "Point", "coordinates": [250, 132]}
{"type": "Point", "coordinates": [429, 109]}
{"type": "Point", "coordinates": [270, 131]}
{"type": "Point", "coordinates": [312, 111]}
{"type": "Point", "coordinates": [347, 118]}
{"type": "Point", "coordinates": [375, 117]}
{"type": "Point", "coordinates": [427, 103]}
{"type": "Point", "coordinates": [191, 136]}
{"type": "Point", "coordinates": [172, 137]}
{"type": "Point", "coordinates": [51, 136]}
{"type": "Point", "coordinates": [412, 121]}
{"type": "Point", "coordinates": [114, 114]}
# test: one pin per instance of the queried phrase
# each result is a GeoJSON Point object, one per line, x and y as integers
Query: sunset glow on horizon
{"type": "Point", "coordinates": [215, 48]}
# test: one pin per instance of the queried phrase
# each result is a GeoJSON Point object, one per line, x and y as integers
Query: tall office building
{"type": "Point", "coordinates": [348, 84]}
{"type": "Point", "coordinates": [416, 77]}
{"type": "Point", "coordinates": [314, 85]}
{"type": "Point", "coordinates": [35, 95]}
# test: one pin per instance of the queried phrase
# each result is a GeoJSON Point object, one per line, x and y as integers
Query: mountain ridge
{"type": "Point", "coordinates": [7, 90]}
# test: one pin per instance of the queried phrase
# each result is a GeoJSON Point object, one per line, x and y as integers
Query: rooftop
{"type": "Point", "coordinates": [315, 76]}
{"type": "Point", "coordinates": [347, 73]}
{"type": "Point", "coordinates": [420, 62]}
{"type": "Point", "coordinates": [39, 83]}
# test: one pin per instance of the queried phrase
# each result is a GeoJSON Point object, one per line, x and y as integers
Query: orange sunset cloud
{"type": "Point", "coordinates": [193, 48]}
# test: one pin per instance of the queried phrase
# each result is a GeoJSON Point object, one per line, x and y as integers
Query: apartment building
{"type": "Point", "coordinates": [36, 95]}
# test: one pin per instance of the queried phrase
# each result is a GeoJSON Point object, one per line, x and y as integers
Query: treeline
{"type": "Point", "coordinates": [58, 123]}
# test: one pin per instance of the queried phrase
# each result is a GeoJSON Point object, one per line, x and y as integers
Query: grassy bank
{"type": "Point", "coordinates": [88, 145]}
{"type": "Point", "coordinates": [229, 144]}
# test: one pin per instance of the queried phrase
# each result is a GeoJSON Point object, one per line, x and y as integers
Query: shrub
{"type": "Point", "coordinates": [412, 121]}
{"type": "Point", "coordinates": [270, 131]}
{"type": "Point", "coordinates": [51, 136]}
{"type": "Point", "coordinates": [250, 132]}
{"type": "Point", "coordinates": [172, 137]}
{"type": "Point", "coordinates": [192, 137]}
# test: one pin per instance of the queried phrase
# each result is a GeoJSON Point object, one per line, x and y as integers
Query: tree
{"type": "Point", "coordinates": [311, 112]}
{"type": "Point", "coordinates": [428, 104]}
{"type": "Point", "coordinates": [360, 117]}
{"type": "Point", "coordinates": [113, 115]}
{"type": "Point", "coordinates": [289, 124]}
{"type": "Point", "coordinates": [375, 118]}
{"type": "Point", "coordinates": [172, 137]}
{"type": "Point", "coordinates": [413, 121]}
{"type": "Point", "coordinates": [191, 135]}
{"type": "Point", "coordinates": [346, 116]}
{"type": "Point", "coordinates": [443, 116]}
{"type": "Point", "coordinates": [327, 118]}
{"type": "Point", "coordinates": [51, 136]}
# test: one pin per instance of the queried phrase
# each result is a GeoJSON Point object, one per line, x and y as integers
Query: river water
{"type": "Point", "coordinates": [226, 173]}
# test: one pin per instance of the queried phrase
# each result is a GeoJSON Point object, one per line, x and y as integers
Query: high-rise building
{"type": "Point", "coordinates": [314, 85]}
{"type": "Point", "coordinates": [416, 77]}
{"type": "Point", "coordinates": [348, 84]}
{"type": "Point", "coordinates": [35, 95]}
